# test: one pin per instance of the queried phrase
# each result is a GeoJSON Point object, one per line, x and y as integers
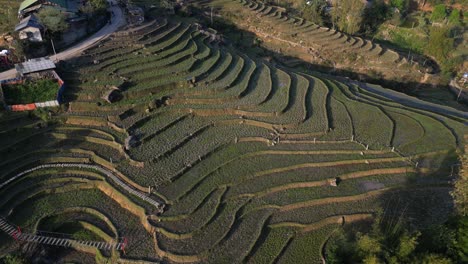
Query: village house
{"type": "Point", "coordinates": [30, 28]}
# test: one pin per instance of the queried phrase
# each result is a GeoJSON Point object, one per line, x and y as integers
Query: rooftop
{"type": "Point", "coordinates": [27, 3]}
{"type": "Point", "coordinates": [34, 65]}
{"type": "Point", "coordinates": [29, 21]}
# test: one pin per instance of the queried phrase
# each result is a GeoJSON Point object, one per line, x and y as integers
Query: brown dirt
{"type": "Point", "coordinates": [359, 174]}
{"type": "Point", "coordinates": [358, 197]}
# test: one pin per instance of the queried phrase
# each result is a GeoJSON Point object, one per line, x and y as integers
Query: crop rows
{"type": "Point", "coordinates": [241, 151]}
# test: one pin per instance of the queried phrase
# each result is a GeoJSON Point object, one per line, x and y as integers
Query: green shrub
{"type": "Point", "coordinates": [401, 5]}
{"type": "Point", "coordinates": [31, 92]}
{"type": "Point", "coordinates": [12, 259]}
{"type": "Point", "coordinates": [439, 12]}
{"type": "Point", "coordinates": [454, 17]}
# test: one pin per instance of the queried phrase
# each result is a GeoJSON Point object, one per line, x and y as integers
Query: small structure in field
{"type": "Point", "coordinates": [112, 95]}
{"type": "Point", "coordinates": [29, 28]}
{"type": "Point", "coordinates": [36, 85]}
{"type": "Point", "coordinates": [130, 142]}
{"type": "Point", "coordinates": [333, 182]}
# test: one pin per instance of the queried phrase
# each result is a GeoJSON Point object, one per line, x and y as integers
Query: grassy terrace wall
{"type": "Point", "coordinates": [241, 152]}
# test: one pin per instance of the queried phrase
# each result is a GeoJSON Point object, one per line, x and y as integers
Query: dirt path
{"type": "Point", "coordinates": [118, 20]}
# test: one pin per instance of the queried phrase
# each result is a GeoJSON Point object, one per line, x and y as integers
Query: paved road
{"type": "Point", "coordinates": [118, 20]}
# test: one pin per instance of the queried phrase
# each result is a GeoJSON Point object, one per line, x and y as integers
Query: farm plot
{"type": "Point", "coordinates": [253, 163]}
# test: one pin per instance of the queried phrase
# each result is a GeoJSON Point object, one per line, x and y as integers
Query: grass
{"type": "Point", "coordinates": [31, 92]}
{"type": "Point", "coordinates": [271, 245]}
{"type": "Point", "coordinates": [8, 17]}
{"type": "Point", "coordinates": [307, 247]}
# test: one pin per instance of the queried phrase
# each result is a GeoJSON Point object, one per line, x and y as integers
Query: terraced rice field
{"type": "Point", "coordinates": [241, 153]}
{"type": "Point", "coordinates": [296, 42]}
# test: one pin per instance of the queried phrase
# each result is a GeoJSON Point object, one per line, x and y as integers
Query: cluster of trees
{"type": "Point", "coordinates": [348, 15]}
{"type": "Point", "coordinates": [442, 26]}
{"type": "Point", "coordinates": [54, 20]}
{"type": "Point", "coordinates": [94, 6]}
{"type": "Point", "coordinates": [352, 16]}
{"type": "Point", "coordinates": [390, 242]}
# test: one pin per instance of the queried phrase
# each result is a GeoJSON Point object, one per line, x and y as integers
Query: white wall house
{"type": "Point", "coordinates": [30, 28]}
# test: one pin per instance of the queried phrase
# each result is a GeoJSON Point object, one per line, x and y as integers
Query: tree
{"type": "Point", "coordinates": [406, 246]}
{"type": "Point", "coordinates": [313, 11]}
{"type": "Point", "coordinates": [461, 243]}
{"type": "Point", "coordinates": [401, 5]}
{"type": "Point", "coordinates": [375, 15]}
{"type": "Point", "coordinates": [12, 259]}
{"type": "Point", "coordinates": [460, 193]}
{"type": "Point", "coordinates": [367, 246]}
{"type": "Point", "coordinates": [93, 7]}
{"type": "Point", "coordinates": [52, 19]}
{"type": "Point", "coordinates": [98, 4]}
{"type": "Point", "coordinates": [440, 44]}
{"type": "Point", "coordinates": [347, 15]}
{"type": "Point", "coordinates": [432, 259]}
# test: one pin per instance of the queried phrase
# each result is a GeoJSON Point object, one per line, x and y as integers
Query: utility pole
{"type": "Point", "coordinates": [459, 93]}
{"type": "Point", "coordinates": [53, 47]}
{"type": "Point", "coordinates": [211, 16]}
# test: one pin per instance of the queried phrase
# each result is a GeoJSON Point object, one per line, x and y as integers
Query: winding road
{"type": "Point", "coordinates": [118, 20]}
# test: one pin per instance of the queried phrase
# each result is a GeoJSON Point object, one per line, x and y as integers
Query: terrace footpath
{"type": "Point", "coordinates": [118, 20]}
{"type": "Point", "coordinates": [410, 101]}
{"type": "Point", "coordinates": [106, 172]}
{"type": "Point", "coordinates": [16, 233]}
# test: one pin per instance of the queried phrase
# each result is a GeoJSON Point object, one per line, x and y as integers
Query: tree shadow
{"type": "Point", "coordinates": [250, 44]}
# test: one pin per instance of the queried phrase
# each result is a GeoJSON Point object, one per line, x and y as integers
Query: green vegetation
{"type": "Point", "coordinates": [391, 242]}
{"type": "Point", "coordinates": [439, 13]}
{"type": "Point", "coordinates": [348, 15]}
{"type": "Point", "coordinates": [401, 5]}
{"type": "Point", "coordinates": [52, 19]}
{"type": "Point", "coordinates": [440, 45]}
{"type": "Point", "coordinates": [314, 12]}
{"type": "Point", "coordinates": [244, 153]}
{"type": "Point", "coordinates": [31, 92]}
{"type": "Point", "coordinates": [454, 17]}
{"type": "Point", "coordinates": [8, 15]}
{"type": "Point", "coordinates": [12, 259]}
{"type": "Point", "coordinates": [94, 7]}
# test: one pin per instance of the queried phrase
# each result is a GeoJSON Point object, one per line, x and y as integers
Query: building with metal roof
{"type": "Point", "coordinates": [34, 65]}
{"type": "Point", "coordinates": [27, 3]}
{"type": "Point", "coordinates": [30, 28]}
{"type": "Point", "coordinates": [33, 5]}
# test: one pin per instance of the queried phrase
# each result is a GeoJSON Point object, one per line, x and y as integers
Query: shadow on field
{"type": "Point", "coordinates": [31, 144]}
{"type": "Point", "coordinates": [425, 199]}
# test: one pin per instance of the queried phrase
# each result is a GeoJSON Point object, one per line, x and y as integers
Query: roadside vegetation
{"type": "Point", "coordinates": [31, 92]}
